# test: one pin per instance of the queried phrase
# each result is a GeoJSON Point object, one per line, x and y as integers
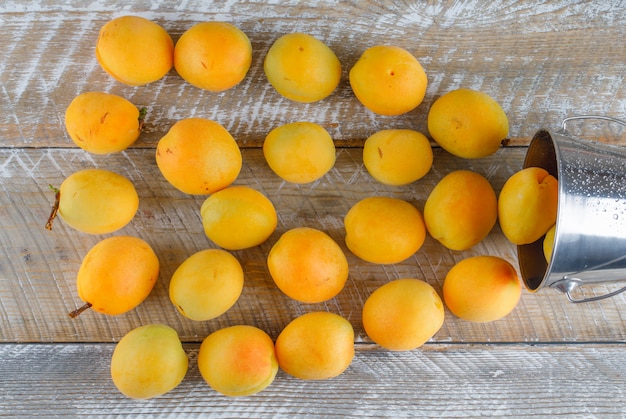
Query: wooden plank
{"type": "Point", "coordinates": [37, 276]}
{"type": "Point", "coordinates": [542, 63]}
{"type": "Point", "coordinates": [438, 381]}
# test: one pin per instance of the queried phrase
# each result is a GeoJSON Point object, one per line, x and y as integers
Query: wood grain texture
{"type": "Point", "coordinates": [543, 61]}
{"type": "Point", "coordinates": [40, 266]}
{"type": "Point", "coordinates": [465, 381]}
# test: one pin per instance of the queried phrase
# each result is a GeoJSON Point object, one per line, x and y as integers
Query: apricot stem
{"type": "Point", "coordinates": [142, 117]}
{"type": "Point", "coordinates": [55, 207]}
{"type": "Point", "coordinates": [79, 310]}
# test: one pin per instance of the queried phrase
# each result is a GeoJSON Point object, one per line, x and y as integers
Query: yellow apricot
{"type": "Point", "coordinates": [299, 152]}
{"type": "Point", "coordinates": [116, 275]}
{"type": "Point", "coordinates": [238, 217]}
{"type": "Point", "coordinates": [316, 346]}
{"type": "Point", "coordinates": [384, 230]}
{"type": "Point", "coordinates": [238, 360]}
{"type": "Point", "coordinates": [302, 68]}
{"type": "Point", "coordinates": [102, 123]}
{"type": "Point", "coordinates": [308, 265]}
{"type": "Point", "coordinates": [198, 156]}
{"type": "Point", "coordinates": [206, 284]}
{"type": "Point", "coordinates": [548, 243]}
{"type": "Point", "coordinates": [97, 201]}
{"type": "Point", "coordinates": [461, 210]}
{"type": "Point", "coordinates": [134, 50]}
{"type": "Point", "coordinates": [403, 314]}
{"type": "Point", "coordinates": [397, 156]}
{"type": "Point", "coordinates": [214, 56]}
{"type": "Point", "coordinates": [388, 80]}
{"type": "Point", "coordinates": [527, 205]}
{"type": "Point", "coordinates": [467, 123]}
{"type": "Point", "coordinates": [481, 289]}
{"type": "Point", "coordinates": [148, 362]}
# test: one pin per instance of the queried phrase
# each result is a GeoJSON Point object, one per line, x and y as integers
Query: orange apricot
{"type": "Point", "coordinates": [302, 68]}
{"type": "Point", "coordinates": [481, 289]}
{"type": "Point", "coordinates": [308, 265]}
{"type": "Point", "coordinates": [198, 156]}
{"type": "Point", "coordinates": [388, 80]}
{"type": "Point", "coordinates": [403, 314]}
{"type": "Point", "coordinates": [316, 346]}
{"type": "Point", "coordinates": [134, 50]}
{"type": "Point", "coordinates": [461, 210]}
{"type": "Point", "coordinates": [468, 123]}
{"type": "Point", "coordinates": [116, 275]}
{"type": "Point", "coordinates": [214, 56]}
{"type": "Point", "coordinates": [238, 360]}
{"type": "Point", "coordinates": [384, 229]}
{"type": "Point", "coordinates": [102, 123]}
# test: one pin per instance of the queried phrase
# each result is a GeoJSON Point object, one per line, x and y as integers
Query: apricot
{"type": "Point", "coordinates": [102, 123]}
{"type": "Point", "coordinates": [461, 210]}
{"type": "Point", "coordinates": [316, 346]}
{"type": "Point", "coordinates": [299, 152]}
{"type": "Point", "coordinates": [527, 205]}
{"type": "Point", "coordinates": [548, 243]}
{"type": "Point", "coordinates": [238, 217]}
{"type": "Point", "coordinates": [302, 68]}
{"type": "Point", "coordinates": [95, 201]}
{"type": "Point", "coordinates": [214, 56]}
{"type": "Point", "coordinates": [206, 284]}
{"type": "Point", "coordinates": [397, 156]}
{"type": "Point", "coordinates": [467, 123]}
{"type": "Point", "coordinates": [384, 230]}
{"type": "Point", "coordinates": [308, 265]}
{"type": "Point", "coordinates": [135, 50]}
{"type": "Point", "coordinates": [116, 275]}
{"type": "Point", "coordinates": [388, 80]}
{"type": "Point", "coordinates": [198, 156]}
{"type": "Point", "coordinates": [148, 361]}
{"type": "Point", "coordinates": [481, 289]}
{"type": "Point", "coordinates": [238, 360]}
{"type": "Point", "coordinates": [403, 314]}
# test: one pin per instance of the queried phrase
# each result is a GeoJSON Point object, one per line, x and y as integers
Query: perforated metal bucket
{"type": "Point", "coordinates": [590, 237]}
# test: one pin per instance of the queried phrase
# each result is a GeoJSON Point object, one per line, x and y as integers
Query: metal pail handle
{"type": "Point", "coordinates": [568, 284]}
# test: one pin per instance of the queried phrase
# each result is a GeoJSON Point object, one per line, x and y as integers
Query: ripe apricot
{"type": "Point", "coordinates": [102, 123]}
{"type": "Point", "coordinates": [461, 210]}
{"type": "Point", "coordinates": [548, 243]}
{"type": "Point", "coordinates": [198, 156]}
{"type": "Point", "coordinates": [481, 289]}
{"type": "Point", "coordinates": [388, 80]}
{"type": "Point", "coordinates": [238, 217]}
{"type": "Point", "coordinates": [214, 56]}
{"type": "Point", "coordinates": [403, 314]}
{"type": "Point", "coordinates": [96, 201]}
{"type": "Point", "coordinates": [299, 152]}
{"type": "Point", "coordinates": [467, 123]}
{"type": "Point", "coordinates": [302, 68]}
{"type": "Point", "coordinates": [206, 284]}
{"type": "Point", "coordinates": [134, 50]}
{"type": "Point", "coordinates": [238, 360]}
{"type": "Point", "coordinates": [384, 230]}
{"type": "Point", "coordinates": [308, 265]}
{"type": "Point", "coordinates": [397, 156]}
{"type": "Point", "coordinates": [527, 205]}
{"type": "Point", "coordinates": [316, 346]}
{"type": "Point", "coordinates": [116, 275]}
{"type": "Point", "coordinates": [148, 362]}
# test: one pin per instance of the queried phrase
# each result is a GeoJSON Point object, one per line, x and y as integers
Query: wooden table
{"type": "Point", "coordinates": [541, 61]}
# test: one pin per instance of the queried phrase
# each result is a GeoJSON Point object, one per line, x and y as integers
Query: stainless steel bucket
{"type": "Point", "coordinates": [590, 237]}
